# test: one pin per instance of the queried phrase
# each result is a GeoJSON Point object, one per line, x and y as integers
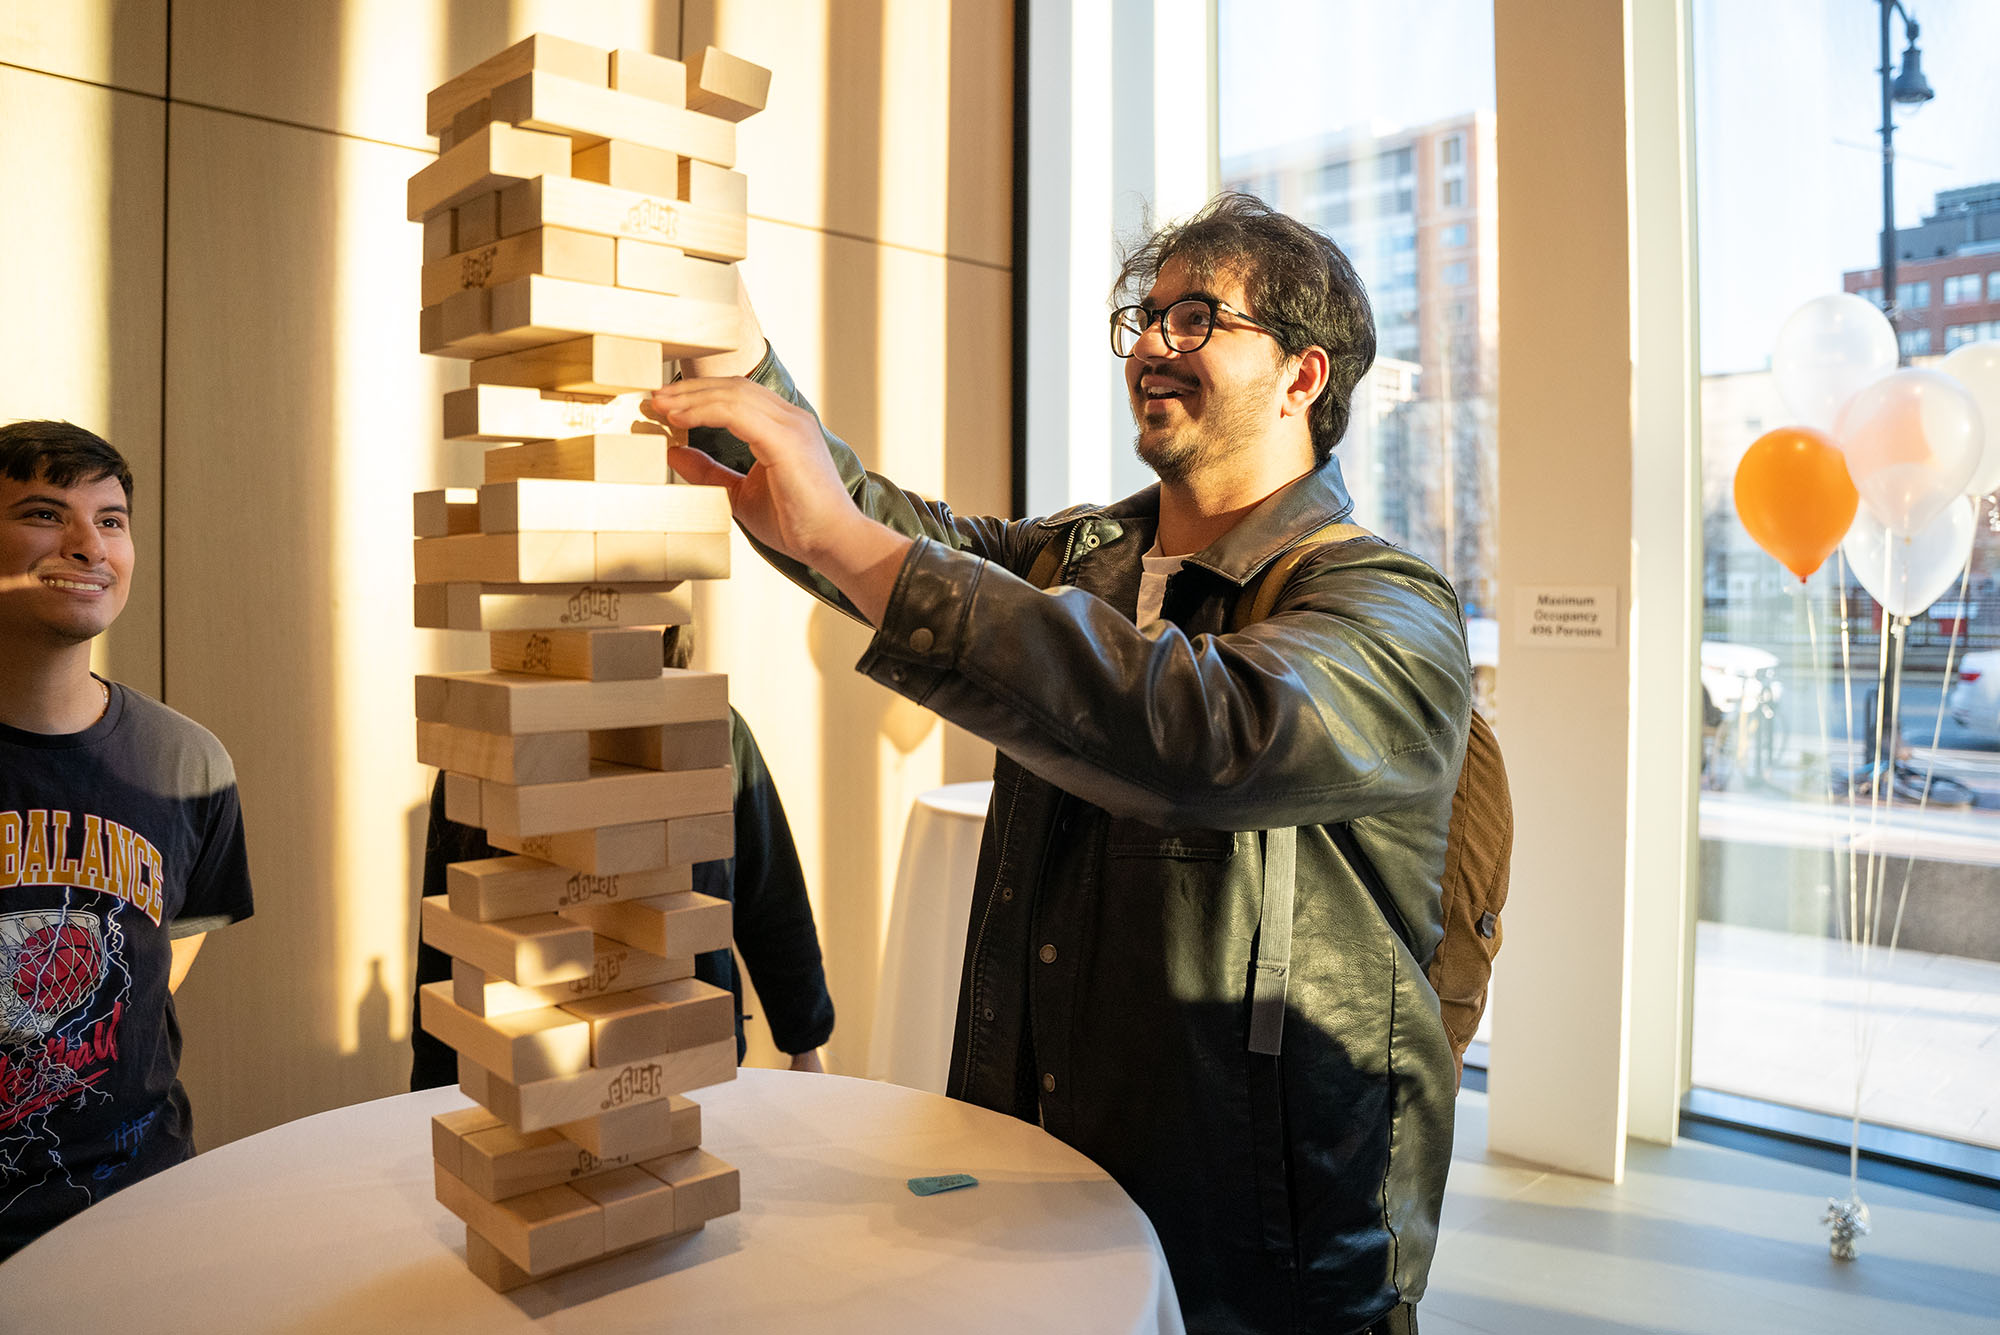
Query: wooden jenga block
{"type": "Point", "coordinates": [516, 703]}
{"type": "Point", "coordinates": [704, 1186]}
{"type": "Point", "coordinates": [445, 513]}
{"type": "Point", "coordinates": [471, 119]}
{"type": "Point", "coordinates": [507, 558]}
{"type": "Point", "coordinates": [563, 201]}
{"type": "Point", "coordinates": [505, 413]}
{"type": "Point", "coordinates": [649, 75]}
{"type": "Point", "coordinates": [707, 186]}
{"type": "Point", "coordinates": [610, 849]}
{"type": "Point", "coordinates": [668, 269]}
{"type": "Point", "coordinates": [499, 1162]}
{"type": "Point", "coordinates": [539, 1232]}
{"type": "Point", "coordinates": [478, 225]}
{"type": "Point", "coordinates": [497, 607]}
{"type": "Point", "coordinates": [603, 458]}
{"type": "Point", "coordinates": [490, 889]}
{"type": "Point", "coordinates": [616, 967]}
{"type": "Point", "coordinates": [518, 1047]}
{"type": "Point", "coordinates": [624, 1027]}
{"type": "Point", "coordinates": [556, 55]}
{"type": "Point", "coordinates": [701, 1013]}
{"type": "Point", "coordinates": [638, 1207]}
{"type": "Point", "coordinates": [459, 326]}
{"type": "Point", "coordinates": [533, 951]}
{"type": "Point", "coordinates": [624, 1133]}
{"type": "Point", "coordinates": [546, 757]}
{"type": "Point", "coordinates": [498, 155]}
{"type": "Point", "coordinates": [615, 794]}
{"type": "Point", "coordinates": [590, 115]}
{"type": "Point", "coordinates": [462, 794]}
{"type": "Point", "coordinates": [449, 1130]}
{"type": "Point", "coordinates": [626, 654]}
{"type": "Point", "coordinates": [601, 507]}
{"type": "Point", "coordinates": [501, 1275]}
{"type": "Point", "coordinates": [627, 166]}
{"type": "Point", "coordinates": [726, 86]}
{"type": "Point", "coordinates": [535, 309]}
{"type": "Point", "coordinates": [559, 252]}
{"type": "Point", "coordinates": [699, 745]}
{"type": "Point", "coordinates": [570, 1098]}
{"type": "Point", "coordinates": [593, 364]}
{"type": "Point", "coordinates": [687, 923]}
{"type": "Point", "coordinates": [441, 233]}
{"type": "Point", "coordinates": [650, 558]}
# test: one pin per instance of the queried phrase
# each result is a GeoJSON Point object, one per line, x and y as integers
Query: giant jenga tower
{"type": "Point", "coordinates": [580, 226]}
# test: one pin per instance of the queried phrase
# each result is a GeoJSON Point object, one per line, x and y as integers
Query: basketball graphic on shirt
{"type": "Point", "coordinates": [51, 962]}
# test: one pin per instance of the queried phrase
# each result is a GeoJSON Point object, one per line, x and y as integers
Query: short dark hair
{"type": "Point", "coordinates": [1298, 284]}
{"type": "Point", "coordinates": [61, 453]}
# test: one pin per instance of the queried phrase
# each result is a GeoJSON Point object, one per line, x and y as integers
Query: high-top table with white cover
{"type": "Point", "coordinates": [328, 1224]}
{"type": "Point", "coordinates": [917, 999]}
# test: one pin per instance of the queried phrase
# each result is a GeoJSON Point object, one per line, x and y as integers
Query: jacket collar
{"type": "Point", "coordinates": [1279, 520]}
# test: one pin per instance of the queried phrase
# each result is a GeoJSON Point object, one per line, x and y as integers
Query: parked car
{"type": "Point", "coordinates": [1974, 699]}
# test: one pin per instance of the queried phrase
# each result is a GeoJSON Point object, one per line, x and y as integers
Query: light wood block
{"type": "Point", "coordinates": [551, 757]}
{"type": "Point", "coordinates": [726, 86]}
{"type": "Point", "coordinates": [498, 607]}
{"type": "Point", "coordinates": [445, 513]}
{"type": "Point", "coordinates": [655, 268]}
{"type": "Point", "coordinates": [704, 1186]}
{"type": "Point", "coordinates": [707, 186]}
{"type": "Point", "coordinates": [501, 1275]}
{"type": "Point", "coordinates": [570, 1098]}
{"type": "Point", "coordinates": [462, 794]}
{"type": "Point", "coordinates": [589, 115]}
{"type": "Point", "coordinates": [624, 1027]}
{"type": "Point", "coordinates": [616, 967]}
{"type": "Point", "coordinates": [471, 119]}
{"type": "Point", "coordinates": [511, 702]}
{"type": "Point", "coordinates": [563, 201]}
{"type": "Point", "coordinates": [638, 460]}
{"type": "Point", "coordinates": [449, 1130]}
{"type": "Point", "coordinates": [626, 1132]}
{"type": "Point", "coordinates": [638, 1207]}
{"type": "Point", "coordinates": [441, 233]}
{"type": "Point", "coordinates": [602, 507]}
{"type": "Point", "coordinates": [534, 951]}
{"type": "Point", "coordinates": [490, 889]}
{"type": "Point", "coordinates": [650, 558]}
{"type": "Point", "coordinates": [556, 55]}
{"type": "Point", "coordinates": [539, 1232]}
{"type": "Point", "coordinates": [507, 558]}
{"type": "Point", "coordinates": [611, 849]}
{"type": "Point", "coordinates": [559, 252]}
{"type": "Point", "coordinates": [613, 794]}
{"type": "Point", "coordinates": [700, 745]}
{"type": "Point", "coordinates": [478, 224]}
{"type": "Point", "coordinates": [503, 413]}
{"type": "Point", "coordinates": [518, 1047]}
{"type": "Point", "coordinates": [498, 155]}
{"type": "Point", "coordinates": [702, 1013]}
{"type": "Point", "coordinates": [628, 166]}
{"type": "Point", "coordinates": [629, 654]}
{"type": "Point", "coordinates": [593, 364]}
{"type": "Point", "coordinates": [688, 923]}
{"type": "Point", "coordinates": [499, 1162]}
{"type": "Point", "coordinates": [535, 310]}
{"type": "Point", "coordinates": [649, 75]}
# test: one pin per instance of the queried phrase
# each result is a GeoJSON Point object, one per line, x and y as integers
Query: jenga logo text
{"type": "Point", "coordinates": [654, 217]}
{"type": "Point", "coordinates": [634, 1082]}
{"type": "Point", "coordinates": [593, 602]}
{"type": "Point", "coordinates": [603, 976]}
{"type": "Point", "coordinates": [475, 268]}
{"type": "Point", "coordinates": [583, 886]}
{"type": "Point", "coordinates": [536, 653]}
{"type": "Point", "coordinates": [586, 1162]}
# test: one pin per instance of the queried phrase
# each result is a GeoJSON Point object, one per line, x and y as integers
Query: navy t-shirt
{"type": "Point", "coordinates": [112, 841]}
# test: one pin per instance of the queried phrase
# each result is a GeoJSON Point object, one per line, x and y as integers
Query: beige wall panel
{"type": "Point", "coordinates": [122, 43]}
{"type": "Point", "coordinates": [300, 420]}
{"type": "Point", "coordinates": [363, 67]}
{"type": "Point", "coordinates": [906, 356]}
{"type": "Point", "coordinates": [80, 248]}
{"type": "Point", "coordinates": [889, 120]}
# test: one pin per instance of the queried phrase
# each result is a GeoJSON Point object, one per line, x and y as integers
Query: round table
{"type": "Point", "coordinates": [917, 997]}
{"type": "Point", "coordinates": [329, 1224]}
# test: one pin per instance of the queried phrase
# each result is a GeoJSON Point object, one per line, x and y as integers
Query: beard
{"type": "Point", "coordinates": [1179, 452]}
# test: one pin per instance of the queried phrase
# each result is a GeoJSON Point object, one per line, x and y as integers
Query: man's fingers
{"type": "Point", "coordinates": [696, 467]}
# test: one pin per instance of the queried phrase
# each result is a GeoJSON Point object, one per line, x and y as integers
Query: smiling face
{"type": "Point", "coordinates": [1195, 409]}
{"type": "Point", "coordinates": [65, 559]}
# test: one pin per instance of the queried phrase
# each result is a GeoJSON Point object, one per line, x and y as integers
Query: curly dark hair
{"type": "Point", "coordinates": [61, 453]}
{"type": "Point", "coordinates": [1296, 281]}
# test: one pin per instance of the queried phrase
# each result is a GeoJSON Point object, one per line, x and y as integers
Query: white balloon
{"type": "Point", "coordinates": [1908, 574]}
{"type": "Point", "coordinates": [1977, 367]}
{"type": "Point", "coordinates": [1828, 350]}
{"type": "Point", "coordinates": [1912, 440]}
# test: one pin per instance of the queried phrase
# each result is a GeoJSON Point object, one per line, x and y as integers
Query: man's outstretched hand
{"type": "Point", "coordinates": [792, 499]}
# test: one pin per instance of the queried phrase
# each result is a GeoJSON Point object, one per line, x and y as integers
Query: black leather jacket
{"type": "Point", "coordinates": [1113, 925]}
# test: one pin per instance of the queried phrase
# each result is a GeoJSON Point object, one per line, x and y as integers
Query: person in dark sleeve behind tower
{"type": "Point", "coordinates": [773, 918]}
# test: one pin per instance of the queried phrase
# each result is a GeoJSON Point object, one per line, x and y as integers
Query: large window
{"type": "Point", "coordinates": [1848, 944]}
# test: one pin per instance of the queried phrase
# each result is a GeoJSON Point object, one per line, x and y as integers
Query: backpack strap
{"type": "Point", "coordinates": [1047, 564]}
{"type": "Point", "coordinates": [1270, 583]}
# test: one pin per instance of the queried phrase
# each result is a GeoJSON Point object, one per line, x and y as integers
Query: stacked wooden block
{"type": "Point", "coordinates": [580, 227]}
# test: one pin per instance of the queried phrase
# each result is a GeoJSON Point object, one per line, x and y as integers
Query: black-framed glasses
{"type": "Point", "coordinates": [1186, 325]}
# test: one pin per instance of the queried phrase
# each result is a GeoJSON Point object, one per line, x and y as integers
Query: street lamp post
{"type": "Point", "coordinates": [1912, 89]}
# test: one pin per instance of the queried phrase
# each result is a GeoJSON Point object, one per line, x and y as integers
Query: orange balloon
{"type": "Point", "coordinates": [1794, 496]}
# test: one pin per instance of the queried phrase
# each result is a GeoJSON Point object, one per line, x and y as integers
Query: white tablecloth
{"type": "Point", "coordinates": [917, 998]}
{"type": "Point", "coordinates": [329, 1224]}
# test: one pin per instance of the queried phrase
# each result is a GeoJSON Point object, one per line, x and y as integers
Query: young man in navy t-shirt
{"type": "Point", "coordinates": [121, 843]}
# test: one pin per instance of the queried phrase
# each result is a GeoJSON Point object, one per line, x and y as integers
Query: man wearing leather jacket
{"type": "Point", "coordinates": [1164, 780]}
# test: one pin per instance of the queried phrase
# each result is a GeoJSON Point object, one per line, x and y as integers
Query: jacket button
{"type": "Point", "coordinates": [921, 639]}
{"type": "Point", "coordinates": [897, 675]}
{"type": "Point", "coordinates": [1048, 954]}
{"type": "Point", "coordinates": [1048, 1084]}
{"type": "Point", "coordinates": [987, 1015]}
{"type": "Point", "coordinates": [1007, 893]}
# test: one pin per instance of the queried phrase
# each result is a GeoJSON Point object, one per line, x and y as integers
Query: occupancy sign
{"type": "Point", "coordinates": [1567, 618]}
